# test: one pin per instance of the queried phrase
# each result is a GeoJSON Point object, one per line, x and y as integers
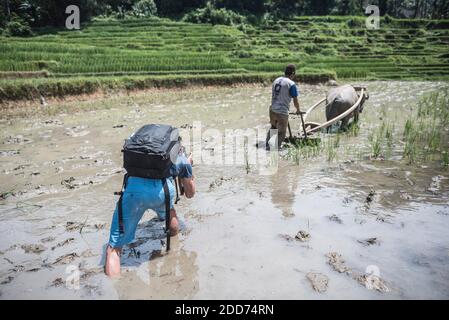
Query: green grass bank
{"type": "Point", "coordinates": [146, 53]}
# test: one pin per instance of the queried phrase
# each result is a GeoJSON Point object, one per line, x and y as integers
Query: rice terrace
{"type": "Point", "coordinates": [309, 150]}
{"type": "Point", "coordinates": [146, 53]}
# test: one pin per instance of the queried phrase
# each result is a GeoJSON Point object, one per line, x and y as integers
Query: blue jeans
{"type": "Point", "coordinates": [140, 195]}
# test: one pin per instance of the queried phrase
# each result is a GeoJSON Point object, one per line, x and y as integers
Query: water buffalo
{"type": "Point", "coordinates": [342, 98]}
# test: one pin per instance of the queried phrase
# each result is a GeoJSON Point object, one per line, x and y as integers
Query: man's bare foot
{"type": "Point", "coordinates": [174, 223]}
{"type": "Point", "coordinates": [112, 265]}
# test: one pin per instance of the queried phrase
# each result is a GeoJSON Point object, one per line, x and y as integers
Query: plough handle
{"type": "Point", "coordinates": [302, 122]}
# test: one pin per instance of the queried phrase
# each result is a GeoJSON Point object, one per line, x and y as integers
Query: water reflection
{"type": "Point", "coordinates": [283, 188]}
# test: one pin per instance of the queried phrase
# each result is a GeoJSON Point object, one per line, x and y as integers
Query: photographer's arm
{"type": "Point", "coordinates": [189, 183]}
{"type": "Point", "coordinates": [189, 187]}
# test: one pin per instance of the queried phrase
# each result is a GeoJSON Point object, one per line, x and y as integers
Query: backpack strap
{"type": "Point", "coordinates": [176, 180]}
{"type": "Point", "coordinates": [120, 205]}
{"type": "Point", "coordinates": [167, 211]}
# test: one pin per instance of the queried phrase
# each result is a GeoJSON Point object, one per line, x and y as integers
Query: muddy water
{"type": "Point", "coordinates": [59, 171]}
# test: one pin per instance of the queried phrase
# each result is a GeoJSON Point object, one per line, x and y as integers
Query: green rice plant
{"type": "Point", "coordinates": [354, 129]}
{"type": "Point", "coordinates": [330, 149]}
{"type": "Point", "coordinates": [331, 153]}
{"type": "Point", "coordinates": [445, 159]}
{"type": "Point", "coordinates": [293, 154]}
{"type": "Point", "coordinates": [381, 141]}
{"type": "Point", "coordinates": [336, 141]}
{"type": "Point", "coordinates": [389, 132]}
{"type": "Point", "coordinates": [423, 133]}
{"type": "Point", "coordinates": [389, 138]}
{"type": "Point", "coordinates": [410, 149]}
{"type": "Point", "coordinates": [408, 127]}
{"type": "Point", "coordinates": [434, 139]}
{"type": "Point", "coordinates": [375, 142]}
{"type": "Point", "coordinates": [303, 149]}
{"type": "Point", "coordinates": [412, 137]}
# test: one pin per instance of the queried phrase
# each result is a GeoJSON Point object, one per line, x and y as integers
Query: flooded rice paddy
{"type": "Point", "coordinates": [370, 228]}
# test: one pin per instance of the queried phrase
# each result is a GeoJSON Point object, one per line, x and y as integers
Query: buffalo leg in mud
{"type": "Point", "coordinates": [356, 116]}
{"type": "Point", "coordinates": [344, 123]}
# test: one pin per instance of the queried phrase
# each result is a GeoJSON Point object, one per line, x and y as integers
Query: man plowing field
{"type": "Point", "coordinates": [283, 91]}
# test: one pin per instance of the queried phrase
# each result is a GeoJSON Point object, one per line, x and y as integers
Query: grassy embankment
{"type": "Point", "coordinates": [138, 54]}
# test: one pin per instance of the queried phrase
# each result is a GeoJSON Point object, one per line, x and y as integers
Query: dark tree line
{"type": "Point", "coordinates": [52, 12]}
{"type": "Point", "coordinates": [43, 12]}
{"type": "Point", "coordinates": [435, 9]}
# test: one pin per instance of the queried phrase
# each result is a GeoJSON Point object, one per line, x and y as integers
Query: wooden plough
{"type": "Point", "coordinates": [309, 128]}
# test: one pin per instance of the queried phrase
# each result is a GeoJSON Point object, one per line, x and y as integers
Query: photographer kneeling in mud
{"type": "Point", "coordinates": [154, 160]}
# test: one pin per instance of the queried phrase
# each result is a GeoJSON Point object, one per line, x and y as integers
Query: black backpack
{"type": "Point", "coordinates": [148, 153]}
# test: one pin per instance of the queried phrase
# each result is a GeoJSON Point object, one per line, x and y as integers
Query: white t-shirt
{"type": "Point", "coordinates": [283, 91]}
